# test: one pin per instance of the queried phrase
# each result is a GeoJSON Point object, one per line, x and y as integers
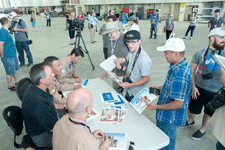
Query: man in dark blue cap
{"type": "Point", "coordinates": [137, 73]}
{"type": "Point", "coordinates": [154, 23]}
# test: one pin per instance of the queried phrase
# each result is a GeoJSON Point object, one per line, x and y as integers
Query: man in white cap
{"type": "Point", "coordinates": [205, 82]}
{"type": "Point", "coordinates": [116, 47]}
{"type": "Point", "coordinates": [172, 106]}
{"type": "Point", "coordinates": [20, 31]}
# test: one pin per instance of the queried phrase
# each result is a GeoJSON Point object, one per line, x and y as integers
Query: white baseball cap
{"type": "Point", "coordinates": [12, 15]}
{"type": "Point", "coordinates": [173, 44]}
{"type": "Point", "coordinates": [218, 32]}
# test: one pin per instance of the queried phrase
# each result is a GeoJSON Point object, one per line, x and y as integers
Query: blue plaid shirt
{"type": "Point", "coordinates": [178, 86]}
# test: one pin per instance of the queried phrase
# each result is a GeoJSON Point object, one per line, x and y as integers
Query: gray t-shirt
{"type": "Point", "coordinates": [141, 68]}
{"type": "Point", "coordinates": [192, 19]}
{"type": "Point", "coordinates": [105, 37]}
{"type": "Point", "coordinates": [120, 50]}
{"type": "Point", "coordinates": [214, 84]}
{"type": "Point", "coordinates": [20, 36]}
{"type": "Point", "coordinates": [169, 24]}
{"type": "Point", "coordinates": [215, 23]}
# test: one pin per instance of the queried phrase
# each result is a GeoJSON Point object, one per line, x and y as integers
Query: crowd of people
{"type": "Point", "coordinates": [187, 88]}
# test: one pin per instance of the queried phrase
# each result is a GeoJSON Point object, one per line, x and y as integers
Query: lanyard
{"type": "Point", "coordinates": [135, 60]}
{"type": "Point", "coordinates": [113, 46]}
{"type": "Point", "coordinates": [81, 124]}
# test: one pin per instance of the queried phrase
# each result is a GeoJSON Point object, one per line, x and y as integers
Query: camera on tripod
{"type": "Point", "coordinates": [77, 23]}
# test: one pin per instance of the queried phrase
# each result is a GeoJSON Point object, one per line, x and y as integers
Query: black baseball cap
{"type": "Point", "coordinates": [132, 35]}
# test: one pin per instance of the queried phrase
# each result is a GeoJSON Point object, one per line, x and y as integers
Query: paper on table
{"type": "Point", "coordinates": [108, 64]}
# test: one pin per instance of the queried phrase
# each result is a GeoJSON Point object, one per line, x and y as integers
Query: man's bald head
{"type": "Point", "coordinates": [80, 102]}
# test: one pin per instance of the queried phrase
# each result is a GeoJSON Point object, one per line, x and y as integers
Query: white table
{"type": "Point", "coordinates": [138, 128]}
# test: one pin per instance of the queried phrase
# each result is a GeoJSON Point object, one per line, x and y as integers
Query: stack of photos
{"type": "Point", "coordinates": [142, 99]}
{"type": "Point", "coordinates": [118, 141]}
{"type": "Point", "coordinates": [112, 98]}
{"type": "Point", "coordinates": [113, 115]}
{"type": "Point", "coordinates": [93, 113]}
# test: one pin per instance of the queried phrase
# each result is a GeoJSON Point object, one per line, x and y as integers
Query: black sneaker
{"type": "Point", "coordinates": [22, 65]}
{"type": "Point", "coordinates": [12, 88]}
{"type": "Point", "coordinates": [28, 65]}
{"type": "Point", "coordinates": [197, 135]}
{"type": "Point", "coordinates": [187, 125]}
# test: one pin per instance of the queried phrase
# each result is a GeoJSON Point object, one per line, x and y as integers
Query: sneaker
{"type": "Point", "coordinates": [22, 65]}
{"type": "Point", "coordinates": [184, 38]}
{"type": "Point", "coordinates": [197, 135]}
{"type": "Point", "coordinates": [187, 125]}
{"type": "Point", "coordinates": [29, 64]}
{"type": "Point", "coordinates": [12, 88]}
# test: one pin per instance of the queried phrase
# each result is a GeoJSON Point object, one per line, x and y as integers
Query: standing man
{"type": "Point", "coordinates": [48, 16]}
{"type": "Point", "coordinates": [111, 13]}
{"type": "Point", "coordinates": [92, 23]}
{"type": "Point", "coordinates": [217, 21]}
{"type": "Point", "coordinates": [218, 121]}
{"type": "Point", "coordinates": [116, 47]}
{"type": "Point", "coordinates": [105, 37]}
{"type": "Point", "coordinates": [172, 106]}
{"type": "Point", "coordinates": [54, 88]}
{"type": "Point", "coordinates": [8, 53]}
{"type": "Point", "coordinates": [71, 132]}
{"type": "Point", "coordinates": [154, 23]}
{"type": "Point", "coordinates": [20, 31]}
{"type": "Point", "coordinates": [69, 70]}
{"type": "Point", "coordinates": [124, 18]}
{"type": "Point", "coordinates": [137, 73]}
{"type": "Point", "coordinates": [205, 83]}
{"type": "Point", "coordinates": [39, 112]}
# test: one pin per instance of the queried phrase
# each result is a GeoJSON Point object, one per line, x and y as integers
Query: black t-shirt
{"type": "Point", "coordinates": [39, 112]}
{"type": "Point", "coordinates": [71, 24]}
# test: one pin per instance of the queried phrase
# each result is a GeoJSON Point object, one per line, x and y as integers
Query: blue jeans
{"type": "Point", "coordinates": [219, 146]}
{"type": "Point", "coordinates": [171, 131]}
{"type": "Point", "coordinates": [21, 46]}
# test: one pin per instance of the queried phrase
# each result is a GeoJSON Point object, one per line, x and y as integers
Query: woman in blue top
{"type": "Point", "coordinates": [48, 16]}
{"type": "Point", "coordinates": [191, 26]}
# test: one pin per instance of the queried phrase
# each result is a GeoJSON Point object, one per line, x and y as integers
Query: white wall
{"type": "Point", "coordinates": [102, 2]}
{"type": "Point", "coordinates": [28, 3]}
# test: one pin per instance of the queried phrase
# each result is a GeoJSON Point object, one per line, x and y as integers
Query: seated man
{"type": "Point", "coordinates": [54, 88]}
{"type": "Point", "coordinates": [69, 70]}
{"type": "Point", "coordinates": [39, 112]}
{"type": "Point", "coordinates": [71, 132]}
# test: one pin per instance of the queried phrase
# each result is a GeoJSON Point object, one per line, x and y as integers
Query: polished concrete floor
{"type": "Point", "coordinates": [54, 41]}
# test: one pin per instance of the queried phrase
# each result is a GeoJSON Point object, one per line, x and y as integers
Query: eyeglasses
{"type": "Point", "coordinates": [131, 42]}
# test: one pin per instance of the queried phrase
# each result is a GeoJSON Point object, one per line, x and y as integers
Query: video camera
{"type": "Point", "coordinates": [77, 23]}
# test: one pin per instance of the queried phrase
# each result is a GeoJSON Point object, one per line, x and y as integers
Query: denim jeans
{"type": "Point", "coordinates": [153, 28]}
{"type": "Point", "coordinates": [21, 46]}
{"type": "Point", "coordinates": [171, 131]}
{"type": "Point", "coordinates": [219, 146]}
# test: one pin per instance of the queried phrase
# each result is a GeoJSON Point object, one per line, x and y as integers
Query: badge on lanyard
{"type": "Point", "coordinates": [63, 70]}
{"type": "Point", "coordinates": [201, 70]}
{"type": "Point", "coordinates": [53, 91]}
{"type": "Point", "coordinates": [70, 66]}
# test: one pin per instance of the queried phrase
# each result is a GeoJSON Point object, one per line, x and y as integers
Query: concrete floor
{"type": "Point", "coordinates": [54, 41]}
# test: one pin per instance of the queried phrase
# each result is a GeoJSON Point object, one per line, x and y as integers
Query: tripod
{"type": "Point", "coordinates": [77, 45]}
